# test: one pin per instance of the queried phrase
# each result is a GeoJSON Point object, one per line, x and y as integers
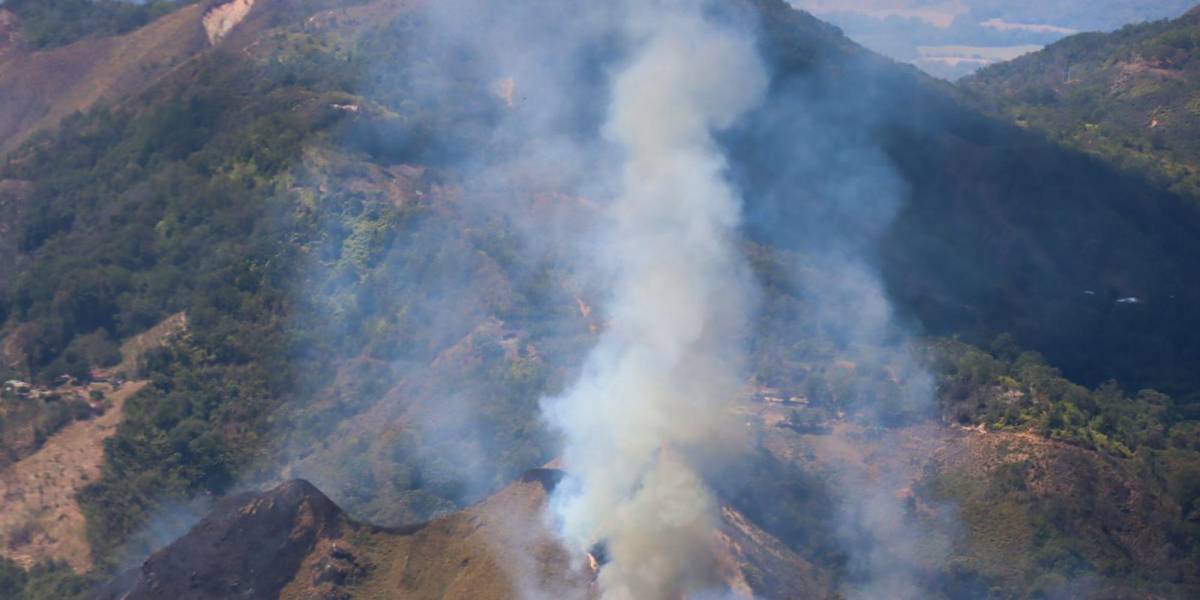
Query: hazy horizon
{"type": "Point", "coordinates": [953, 38]}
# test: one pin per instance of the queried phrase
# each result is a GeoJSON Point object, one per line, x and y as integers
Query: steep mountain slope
{"type": "Point", "coordinates": [1131, 97]}
{"type": "Point", "coordinates": [250, 545]}
{"type": "Point", "coordinates": [355, 322]}
{"type": "Point", "coordinates": [39, 88]}
{"type": "Point", "coordinates": [1038, 518]}
{"type": "Point", "coordinates": [42, 520]}
{"type": "Point", "coordinates": [980, 245]}
{"type": "Point", "coordinates": [1033, 517]}
{"type": "Point", "coordinates": [48, 24]}
{"type": "Point", "coordinates": [53, 440]}
{"type": "Point", "coordinates": [293, 542]}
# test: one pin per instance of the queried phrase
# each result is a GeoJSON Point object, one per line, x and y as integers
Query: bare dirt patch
{"type": "Point", "coordinates": [39, 516]}
{"type": "Point", "coordinates": [221, 20]}
{"type": "Point", "coordinates": [159, 336]}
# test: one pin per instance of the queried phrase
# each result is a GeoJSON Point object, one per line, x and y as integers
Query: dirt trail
{"type": "Point", "coordinates": [39, 517]}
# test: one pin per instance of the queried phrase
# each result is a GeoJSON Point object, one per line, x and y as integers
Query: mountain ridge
{"type": "Point", "coordinates": [303, 207]}
{"type": "Point", "coordinates": [291, 541]}
{"type": "Point", "coordinates": [1126, 96]}
{"type": "Point", "coordinates": [40, 88]}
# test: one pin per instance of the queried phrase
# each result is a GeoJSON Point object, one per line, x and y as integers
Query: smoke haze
{"type": "Point", "coordinates": [655, 116]}
{"type": "Point", "coordinates": [682, 249]}
{"type": "Point", "coordinates": [648, 124]}
{"type": "Point", "coordinates": [652, 397]}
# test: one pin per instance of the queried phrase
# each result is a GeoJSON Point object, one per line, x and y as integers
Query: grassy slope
{"type": "Point", "coordinates": [980, 245]}
{"type": "Point", "coordinates": [199, 178]}
{"type": "Point", "coordinates": [42, 520]}
{"type": "Point", "coordinates": [51, 23]}
{"type": "Point", "coordinates": [43, 87]}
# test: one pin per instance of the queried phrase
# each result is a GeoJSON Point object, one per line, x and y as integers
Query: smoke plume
{"type": "Point", "coordinates": [813, 158]}
{"type": "Point", "coordinates": [649, 405]}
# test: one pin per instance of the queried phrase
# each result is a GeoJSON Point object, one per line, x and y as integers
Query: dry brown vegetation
{"type": "Point", "coordinates": [158, 336]}
{"type": "Point", "coordinates": [294, 540]}
{"type": "Point", "coordinates": [41, 519]}
{"type": "Point", "coordinates": [42, 88]}
{"type": "Point", "coordinates": [1018, 501]}
{"type": "Point", "coordinates": [485, 551]}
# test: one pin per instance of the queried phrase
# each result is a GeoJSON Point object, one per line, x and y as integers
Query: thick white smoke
{"type": "Point", "coordinates": [650, 403]}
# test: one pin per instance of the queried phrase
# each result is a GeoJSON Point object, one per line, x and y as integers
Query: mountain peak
{"type": "Point", "coordinates": [249, 545]}
{"type": "Point", "coordinates": [293, 538]}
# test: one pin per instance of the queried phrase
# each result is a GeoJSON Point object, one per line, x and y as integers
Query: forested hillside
{"type": "Point", "coordinates": [351, 321]}
{"type": "Point", "coordinates": [1129, 97]}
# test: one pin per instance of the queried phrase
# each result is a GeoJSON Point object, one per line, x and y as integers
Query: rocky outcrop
{"type": "Point", "coordinates": [221, 20]}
